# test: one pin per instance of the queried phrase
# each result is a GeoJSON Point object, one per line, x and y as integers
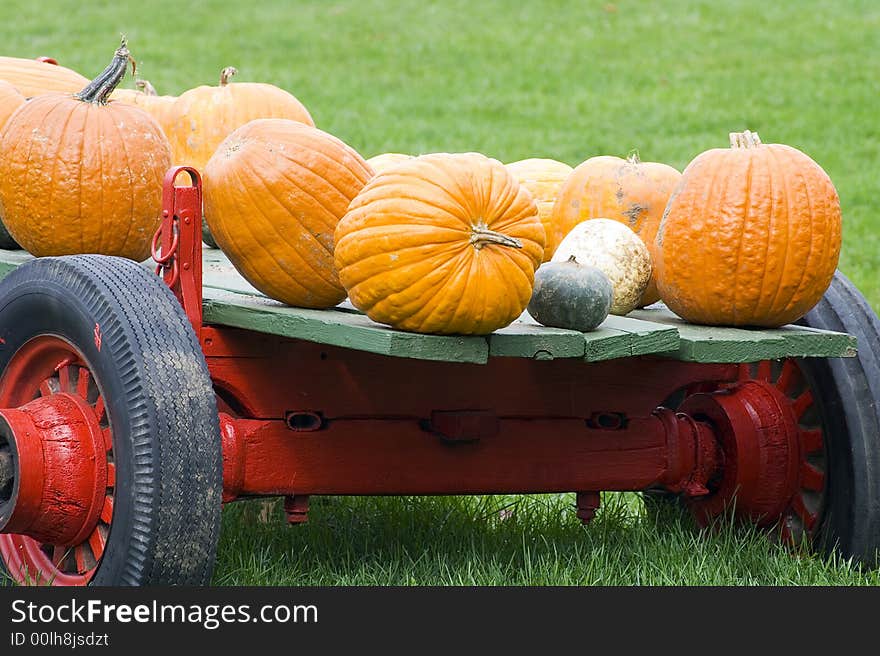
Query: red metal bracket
{"type": "Point", "coordinates": [179, 260]}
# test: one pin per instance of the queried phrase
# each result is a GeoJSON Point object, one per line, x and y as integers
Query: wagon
{"type": "Point", "coordinates": [133, 405]}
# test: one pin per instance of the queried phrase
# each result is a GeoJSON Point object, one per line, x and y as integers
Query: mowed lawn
{"type": "Point", "coordinates": [566, 80]}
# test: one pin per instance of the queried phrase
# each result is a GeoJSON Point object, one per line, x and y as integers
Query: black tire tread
{"type": "Point", "coordinates": [174, 429]}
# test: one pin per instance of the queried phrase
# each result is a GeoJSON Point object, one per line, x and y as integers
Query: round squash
{"type": "Point", "coordinates": [616, 250]}
{"type": "Point", "coordinates": [626, 190]}
{"type": "Point", "coordinates": [444, 243]}
{"type": "Point", "coordinates": [78, 175]}
{"type": "Point", "coordinates": [145, 96]}
{"type": "Point", "coordinates": [34, 78]}
{"type": "Point", "coordinates": [10, 100]}
{"type": "Point", "coordinates": [205, 116]}
{"type": "Point", "coordinates": [386, 160]}
{"type": "Point", "coordinates": [274, 192]}
{"type": "Point", "coordinates": [571, 295]}
{"type": "Point", "coordinates": [751, 236]}
{"type": "Point", "coordinates": [543, 178]}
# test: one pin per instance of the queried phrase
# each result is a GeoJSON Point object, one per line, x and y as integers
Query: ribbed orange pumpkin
{"type": "Point", "coordinates": [751, 236]}
{"type": "Point", "coordinates": [543, 178]}
{"type": "Point", "coordinates": [34, 78]}
{"type": "Point", "coordinates": [145, 96]}
{"type": "Point", "coordinates": [81, 176]}
{"type": "Point", "coordinates": [10, 100]}
{"type": "Point", "coordinates": [274, 192]}
{"type": "Point", "coordinates": [386, 160]}
{"type": "Point", "coordinates": [205, 116]}
{"type": "Point", "coordinates": [442, 244]}
{"type": "Point", "coordinates": [626, 190]}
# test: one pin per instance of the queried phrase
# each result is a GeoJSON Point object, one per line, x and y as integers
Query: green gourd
{"type": "Point", "coordinates": [570, 295]}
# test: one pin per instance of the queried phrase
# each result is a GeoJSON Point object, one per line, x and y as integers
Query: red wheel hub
{"type": "Point", "coordinates": [57, 474]}
{"type": "Point", "coordinates": [773, 446]}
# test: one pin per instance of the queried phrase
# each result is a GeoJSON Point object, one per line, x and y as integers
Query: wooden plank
{"type": "Point", "coordinates": [11, 260]}
{"type": "Point", "coordinates": [345, 329]}
{"type": "Point", "coordinates": [525, 338]}
{"type": "Point", "coordinates": [218, 273]}
{"type": "Point", "coordinates": [647, 336]}
{"type": "Point", "coordinates": [721, 344]}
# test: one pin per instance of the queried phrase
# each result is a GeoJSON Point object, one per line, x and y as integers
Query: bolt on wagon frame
{"type": "Point", "coordinates": [132, 405]}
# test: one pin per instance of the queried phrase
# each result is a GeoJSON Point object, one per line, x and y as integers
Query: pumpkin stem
{"type": "Point", "coordinates": [745, 139]}
{"type": "Point", "coordinates": [98, 90]}
{"type": "Point", "coordinates": [146, 88]}
{"type": "Point", "coordinates": [227, 73]}
{"type": "Point", "coordinates": [482, 236]}
{"type": "Point", "coordinates": [634, 158]}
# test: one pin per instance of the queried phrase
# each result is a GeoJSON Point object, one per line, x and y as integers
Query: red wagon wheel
{"type": "Point", "coordinates": [44, 367]}
{"type": "Point", "coordinates": [110, 466]}
{"type": "Point", "coordinates": [799, 438]}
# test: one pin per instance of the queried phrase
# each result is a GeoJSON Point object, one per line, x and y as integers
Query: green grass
{"type": "Point", "coordinates": [567, 80]}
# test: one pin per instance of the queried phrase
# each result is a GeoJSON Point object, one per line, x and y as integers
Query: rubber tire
{"type": "Point", "coordinates": [161, 406]}
{"type": "Point", "coordinates": [7, 243]}
{"type": "Point", "coordinates": [847, 391]}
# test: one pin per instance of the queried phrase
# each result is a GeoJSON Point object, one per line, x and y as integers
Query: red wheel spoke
{"type": "Point", "coordinates": [64, 379]}
{"type": "Point", "coordinates": [80, 555]}
{"type": "Point", "coordinates": [99, 408]}
{"type": "Point", "coordinates": [82, 383]}
{"type": "Point", "coordinates": [764, 371]}
{"type": "Point", "coordinates": [801, 403]}
{"type": "Point", "coordinates": [111, 475]}
{"type": "Point", "coordinates": [108, 438]}
{"type": "Point", "coordinates": [96, 543]}
{"type": "Point", "coordinates": [745, 372]}
{"type": "Point", "coordinates": [811, 440]}
{"type": "Point", "coordinates": [107, 510]}
{"type": "Point", "coordinates": [808, 518]}
{"type": "Point", "coordinates": [812, 478]}
{"type": "Point", "coordinates": [786, 377]}
{"type": "Point", "coordinates": [46, 387]}
{"type": "Point", "coordinates": [58, 554]}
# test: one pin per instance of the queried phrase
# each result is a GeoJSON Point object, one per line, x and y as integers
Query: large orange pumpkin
{"type": "Point", "coordinates": [386, 160]}
{"type": "Point", "coordinates": [145, 96]}
{"type": "Point", "coordinates": [441, 244]}
{"type": "Point", "coordinates": [205, 116]}
{"type": "Point", "coordinates": [751, 236]}
{"type": "Point", "coordinates": [34, 78]}
{"type": "Point", "coordinates": [626, 190]}
{"type": "Point", "coordinates": [543, 178]}
{"type": "Point", "coordinates": [274, 192]}
{"type": "Point", "coordinates": [78, 175]}
{"type": "Point", "coordinates": [10, 100]}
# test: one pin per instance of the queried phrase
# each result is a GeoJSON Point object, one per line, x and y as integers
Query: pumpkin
{"type": "Point", "coordinates": [10, 100]}
{"type": "Point", "coordinates": [274, 192]}
{"type": "Point", "coordinates": [751, 236]}
{"type": "Point", "coordinates": [205, 116]}
{"type": "Point", "coordinates": [616, 250]}
{"type": "Point", "coordinates": [145, 96]}
{"type": "Point", "coordinates": [386, 160]}
{"type": "Point", "coordinates": [543, 178]}
{"type": "Point", "coordinates": [79, 175]}
{"type": "Point", "coordinates": [34, 78]}
{"type": "Point", "coordinates": [570, 295]}
{"type": "Point", "coordinates": [443, 243]}
{"type": "Point", "coordinates": [626, 190]}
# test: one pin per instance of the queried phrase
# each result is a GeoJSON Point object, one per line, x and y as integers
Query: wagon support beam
{"type": "Point", "coordinates": [525, 455]}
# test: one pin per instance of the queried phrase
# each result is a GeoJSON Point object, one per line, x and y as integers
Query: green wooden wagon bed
{"type": "Point", "coordinates": [132, 405]}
